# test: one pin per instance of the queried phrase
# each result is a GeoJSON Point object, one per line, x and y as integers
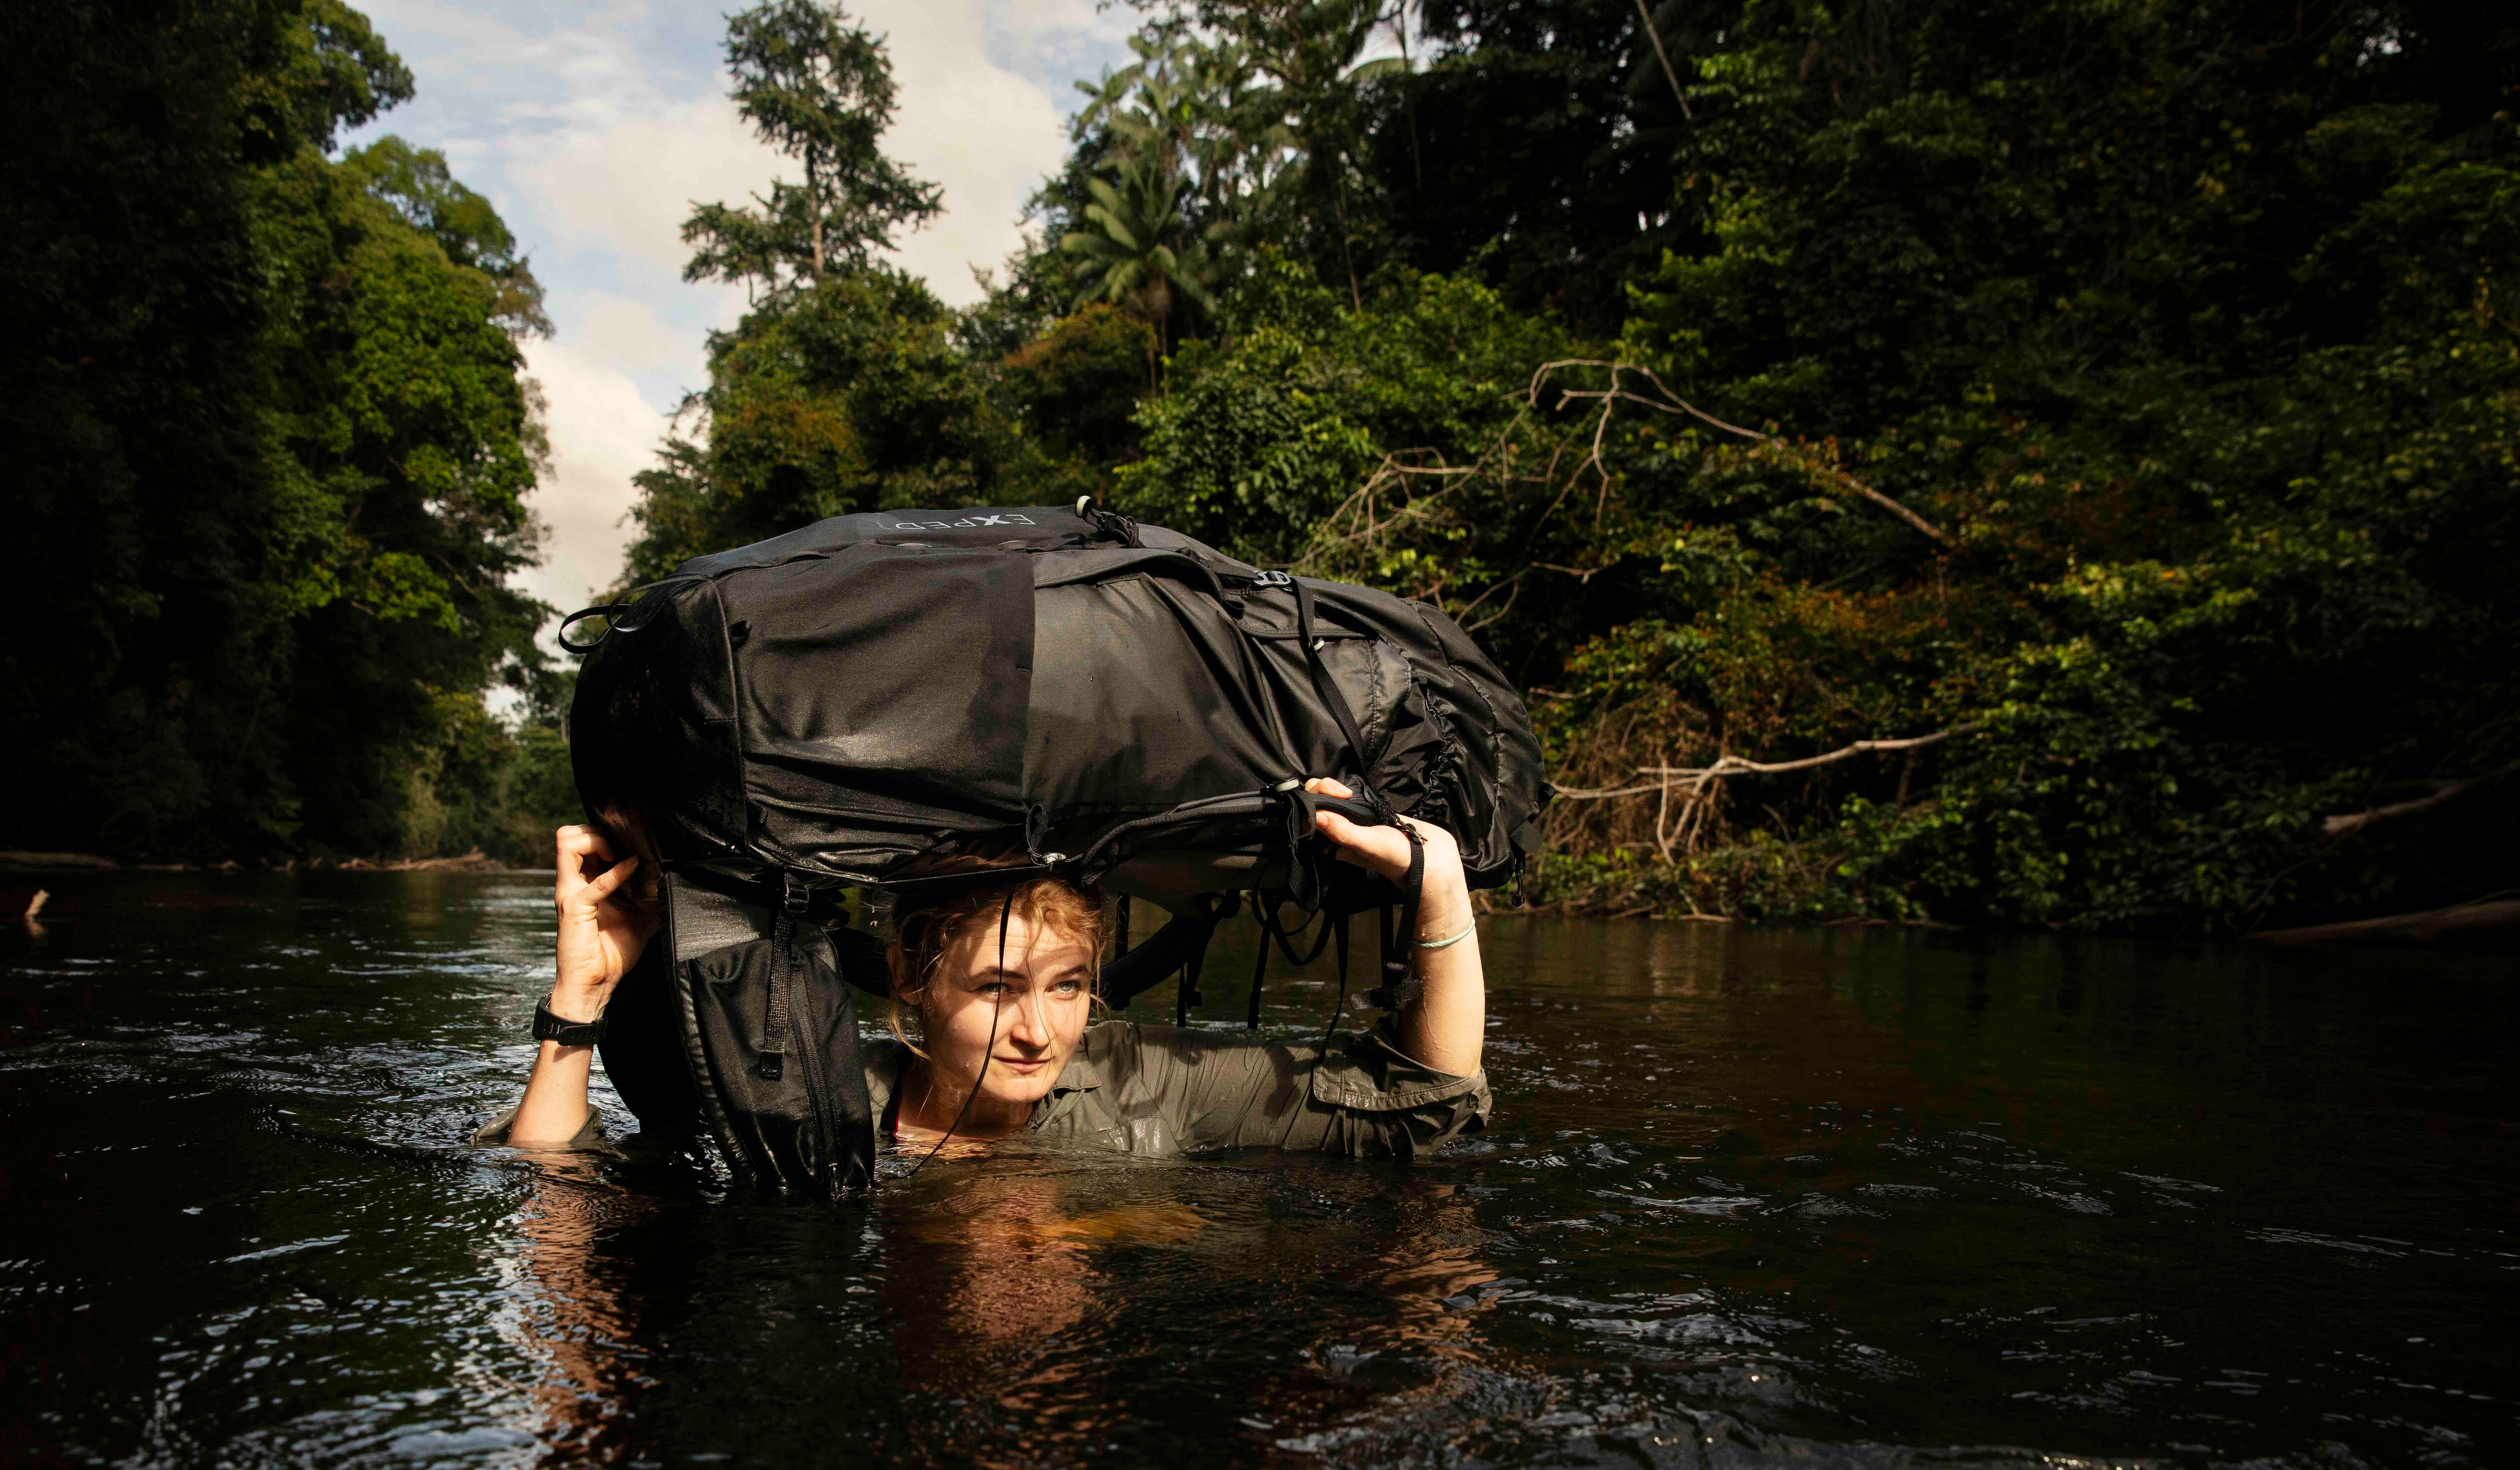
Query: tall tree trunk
{"type": "Point", "coordinates": [814, 199]}
{"type": "Point", "coordinates": [1348, 256]}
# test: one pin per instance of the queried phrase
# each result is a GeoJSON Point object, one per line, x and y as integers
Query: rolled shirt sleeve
{"type": "Point", "coordinates": [590, 1137]}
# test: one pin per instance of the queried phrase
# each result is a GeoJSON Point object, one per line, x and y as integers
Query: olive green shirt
{"type": "Point", "coordinates": [1172, 1090]}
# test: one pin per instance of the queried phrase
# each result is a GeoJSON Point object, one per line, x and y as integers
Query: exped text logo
{"type": "Point", "coordinates": [964, 524]}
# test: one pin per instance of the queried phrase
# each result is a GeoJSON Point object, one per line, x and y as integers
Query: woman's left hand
{"type": "Point", "coordinates": [1385, 850]}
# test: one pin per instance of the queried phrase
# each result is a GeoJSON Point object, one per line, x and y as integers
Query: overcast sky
{"type": "Point", "coordinates": [593, 126]}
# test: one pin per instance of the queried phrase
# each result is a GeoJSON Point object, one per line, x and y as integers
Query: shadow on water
{"type": "Point", "coordinates": [1818, 1198]}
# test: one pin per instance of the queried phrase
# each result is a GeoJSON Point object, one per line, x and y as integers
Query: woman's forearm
{"type": "Point", "coordinates": [1446, 1027]}
{"type": "Point", "coordinates": [555, 1108]}
{"type": "Point", "coordinates": [599, 940]}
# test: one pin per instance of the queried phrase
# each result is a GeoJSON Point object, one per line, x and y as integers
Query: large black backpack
{"type": "Point", "coordinates": [837, 707]}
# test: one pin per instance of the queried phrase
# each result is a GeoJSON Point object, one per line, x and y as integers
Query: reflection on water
{"type": "Point", "coordinates": [1842, 1197]}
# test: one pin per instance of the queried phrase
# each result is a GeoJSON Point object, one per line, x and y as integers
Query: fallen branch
{"type": "Point", "coordinates": [2465, 922]}
{"type": "Point", "coordinates": [2338, 827]}
{"type": "Point", "coordinates": [1733, 765]}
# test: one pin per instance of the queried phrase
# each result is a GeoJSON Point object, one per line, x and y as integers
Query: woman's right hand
{"type": "Point", "coordinates": [600, 935]}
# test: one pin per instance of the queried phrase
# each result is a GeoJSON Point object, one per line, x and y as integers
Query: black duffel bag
{"type": "Point", "coordinates": [837, 707]}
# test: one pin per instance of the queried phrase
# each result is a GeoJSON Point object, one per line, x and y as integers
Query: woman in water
{"type": "Point", "coordinates": [1012, 1048]}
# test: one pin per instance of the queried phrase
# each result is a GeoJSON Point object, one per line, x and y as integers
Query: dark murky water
{"type": "Point", "coordinates": [1751, 1198]}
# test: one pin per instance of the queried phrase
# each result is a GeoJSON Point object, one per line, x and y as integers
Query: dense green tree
{"type": "Point", "coordinates": [846, 396]}
{"type": "Point", "coordinates": [271, 439]}
{"type": "Point", "coordinates": [2132, 389]}
{"type": "Point", "coordinates": [1142, 251]}
{"type": "Point", "coordinates": [1272, 428]}
{"type": "Point", "coordinates": [404, 448]}
{"type": "Point", "coordinates": [1075, 388]}
{"type": "Point", "coordinates": [819, 90]}
{"type": "Point", "coordinates": [1532, 147]}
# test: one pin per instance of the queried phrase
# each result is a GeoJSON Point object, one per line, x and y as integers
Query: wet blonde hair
{"type": "Point", "coordinates": [925, 932]}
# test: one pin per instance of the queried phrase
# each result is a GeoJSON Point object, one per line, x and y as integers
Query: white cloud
{"type": "Point", "coordinates": [624, 334]}
{"type": "Point", "coordinates": [603, 431]}
{"type": "Point", "coordinates": [619, 172]}
{"type": "Point", "coordinates": [987, 133]}
{"type": "Point", "coordinates": [593, 127]}
{"type": "Point", "coordinates": [621, 186]}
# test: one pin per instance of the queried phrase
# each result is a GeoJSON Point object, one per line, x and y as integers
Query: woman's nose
{"type": "Point", "coordinates": [1030, 1027]}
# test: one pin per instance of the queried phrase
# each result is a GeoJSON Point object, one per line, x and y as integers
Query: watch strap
{"type": "Point", "coordinates": [551, 1028]}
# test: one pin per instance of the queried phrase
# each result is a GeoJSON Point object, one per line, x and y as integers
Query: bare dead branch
{"type": "Point", "coordinates": [1733, 765]}
{"type": "Point", "coordinates": [2338, 827]}
{"type": "Point", "coordinates": [1664, 57]}
{"type": "Point", "coordinates": [1677, 405]}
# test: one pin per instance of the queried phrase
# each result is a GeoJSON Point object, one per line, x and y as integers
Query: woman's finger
{"type": "Point", "coordinates": [581, 841]}
{"type": "Point", "coordinates": [603, 885]}
{"type": "Point", "coordinates": [1365, 847]}
{"type": "Point", "coordinates": [1322, 785]}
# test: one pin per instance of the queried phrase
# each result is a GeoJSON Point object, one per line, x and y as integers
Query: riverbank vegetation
{"type": "Point", "coordinates": [2032, 465]}
{"type": "Point", "coordinates": [270, 452]}
{"type": "Point", "coordinates": [2055, 464]}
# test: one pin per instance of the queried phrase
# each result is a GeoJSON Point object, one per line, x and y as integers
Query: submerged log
{"type": "Point", "coordinates": [2495, 924]}
{"type": "Point", "coordinates": [41, 861]}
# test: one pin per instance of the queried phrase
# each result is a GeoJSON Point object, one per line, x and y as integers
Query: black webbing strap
{"type": "Point", "coordinates": [1164, 954]}
{"type": "Point", "coordinates": [1400, 984]}
{"type": "Point", "coordinates": [1266, 909]}
{"type": "Point", "coordinates": [1188, 996]}
{"type": "Point", "coordinates": [1122, 948]}
{"type": "Point", "coordinates": [617, 612]}
{"type": "Point", "coordinates": [1339, 1007]}
{"type": "Point", "coordinates": [1328, 689]}
{"type": "Point", "coordinates": [1339, 932]}
{"type": "Point", "coordinates": [771, 1052]}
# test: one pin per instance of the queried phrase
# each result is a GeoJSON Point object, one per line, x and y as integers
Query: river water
{"type": "Point", "coordinates": [1808, 1198]}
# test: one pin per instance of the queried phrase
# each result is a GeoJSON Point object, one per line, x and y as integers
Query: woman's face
{"type": "Point", "coordinates": [1036, 1004]}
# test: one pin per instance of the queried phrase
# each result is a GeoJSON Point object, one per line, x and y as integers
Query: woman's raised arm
{"type": "Point", "coordinates": [1446, 1026]}
{"type": "Point", "coordinates": [601, 936]}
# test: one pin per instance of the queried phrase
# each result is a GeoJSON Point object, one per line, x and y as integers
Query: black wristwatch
{"type": "Point", "coordinates": [551, 1028]}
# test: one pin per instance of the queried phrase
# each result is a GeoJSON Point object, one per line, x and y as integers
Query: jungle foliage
{"type": "Point", "coordinates": [2113, 407]}
{"type": "Point", "coordinates": [2116, 407]}
{"type": "Point", "coordinates": [271, 451]}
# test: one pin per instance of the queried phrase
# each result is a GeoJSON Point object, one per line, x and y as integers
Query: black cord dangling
{"type": "Point", "coordinates": [1259, 960]}
{"type": "Point", "coordinates": [1006, 911]}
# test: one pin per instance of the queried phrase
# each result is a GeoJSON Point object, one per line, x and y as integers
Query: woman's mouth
{"type": "Point", "coordinates": [1022, 1064]}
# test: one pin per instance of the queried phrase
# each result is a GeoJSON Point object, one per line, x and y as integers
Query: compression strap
{"type": "Point", "coordinates": [770, 1059]}
{"type": "Point", "coordinates": [1327, 687]}
{"type": "Point", "coordinates": [1400, 984]}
